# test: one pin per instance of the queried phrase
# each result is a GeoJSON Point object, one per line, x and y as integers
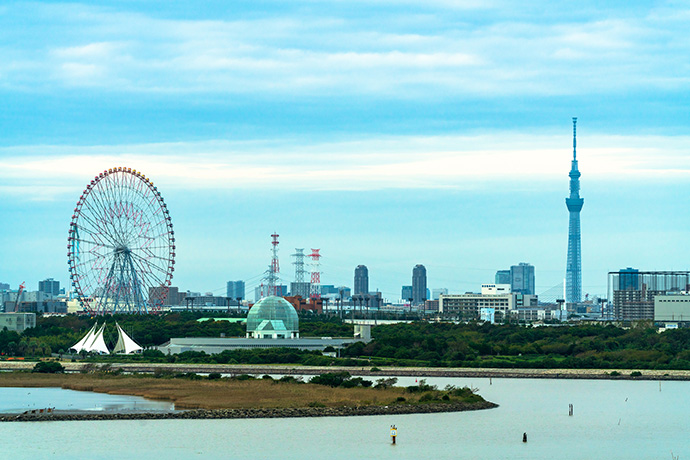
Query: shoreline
{"type": "Point", "coordinates": [260, 369]}
{"type": "Point", "coordinates": [218, 414]}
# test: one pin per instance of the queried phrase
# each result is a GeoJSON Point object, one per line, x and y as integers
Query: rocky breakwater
{"type": "Point", "coordinates": [395, 409]}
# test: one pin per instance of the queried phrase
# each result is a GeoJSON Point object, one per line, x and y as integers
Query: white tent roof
{"type": "Point", "coordinates": [125, 345]}
{"type": "Point", "coordinates": [87, 339]}
{"type": "Point", "coordinates": [98, 345]}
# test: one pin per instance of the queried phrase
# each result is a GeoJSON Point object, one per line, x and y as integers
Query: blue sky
{"type": "Point", "coordinates": [387, 133]}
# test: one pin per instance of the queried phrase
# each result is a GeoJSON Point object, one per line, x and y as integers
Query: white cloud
{"type": "Point", "coordinates": [446, 52]}
{"type": "Point", "coordinates": [466, 162]}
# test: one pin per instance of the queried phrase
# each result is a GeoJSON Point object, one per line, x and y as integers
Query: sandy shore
{"type": "Point", "coordinates": [385, 371]}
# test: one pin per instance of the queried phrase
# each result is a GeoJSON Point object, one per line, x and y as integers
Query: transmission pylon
{"type": "Point", "coordinates": [315, 274]}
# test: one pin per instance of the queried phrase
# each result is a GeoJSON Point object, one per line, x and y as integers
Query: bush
{"type": "Point", "coordinates": [332, 379]}
{"type": "Point", "coordinates": [614, 373]}
{"type": "Point", "coordinates": [242, 377]}
{"type": "Point", "coordinates": [214, 376]}
{"type": "Point", "coordinates": [290, 379]}
{"type": "Point", "coordinates": [385, 383]}
{"type": "Point", "coordinates": [429, 396]}
{"type": "Point", "coordinates": [636, 374]}
{"type": "Point", "coordinates": [48, 367]}
{"type": "Point", "coordinates": [421, 387]}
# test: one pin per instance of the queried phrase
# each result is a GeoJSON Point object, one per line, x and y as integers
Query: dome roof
{"type": "Point", "coordinates": [272, 314]}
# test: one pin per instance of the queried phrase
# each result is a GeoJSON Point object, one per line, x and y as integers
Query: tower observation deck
{"type": "Point", "coordinates": [573, 272]}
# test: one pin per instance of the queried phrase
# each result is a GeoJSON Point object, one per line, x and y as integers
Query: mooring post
{"type": "Point", "coordinates": [524, 437]}
{"type": "Point", "coordinates": [394, 433]}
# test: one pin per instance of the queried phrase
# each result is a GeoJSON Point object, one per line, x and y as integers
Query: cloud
{"type": "Point", "coordinates": [505, 159]}
{"type": "Point", "coordinates": [438, 51]}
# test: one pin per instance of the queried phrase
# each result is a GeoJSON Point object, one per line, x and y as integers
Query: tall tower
{"type": "Point", "coordinates": [418, 284]}
{"type": "Point", "coordinates": [315, 274]}
{"type": "Point", "coordinates": [573, 271]}
{"type": "Point", "coordinates": [361, 280]}
{"type": "Point", "coordinates": [269, 285]}
{"type": "Point", "coordinates": [300, 287]}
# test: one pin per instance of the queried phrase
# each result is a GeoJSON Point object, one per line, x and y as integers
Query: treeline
{"type": "Point", "coordinates": [486, 345]}
{"type": "Point", "coordinates": [56, 334]}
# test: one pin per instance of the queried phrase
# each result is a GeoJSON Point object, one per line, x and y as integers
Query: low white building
{"type": "Point", "coordinates": [17, 322]}
{"type": "Point", "coordinates": [672, 308]}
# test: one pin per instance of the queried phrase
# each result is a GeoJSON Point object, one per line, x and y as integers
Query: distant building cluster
{"type": "Point", "coordinates": [48, 298]}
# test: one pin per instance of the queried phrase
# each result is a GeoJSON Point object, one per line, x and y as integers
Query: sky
{"type": "Point", "coordinates": [384, 133]}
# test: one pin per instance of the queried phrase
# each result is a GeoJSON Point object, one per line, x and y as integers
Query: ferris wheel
{"type": "Point", "coordinates": [121, 245]}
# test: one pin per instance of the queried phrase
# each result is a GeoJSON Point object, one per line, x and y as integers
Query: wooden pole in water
{"type": "Point", "coordinates": [524, 437]}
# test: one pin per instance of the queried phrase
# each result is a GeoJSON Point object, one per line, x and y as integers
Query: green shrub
{"type": "Point", "coordinates": [214, 376]}
{"type": "Point", "coordinates": [48, 367]}
{"type": "Point", "coordinates": [331, 379]}
{"type": "Point", "coordinates": [614, 373]}
{"type": "Point", "coordinates": [635, 374]}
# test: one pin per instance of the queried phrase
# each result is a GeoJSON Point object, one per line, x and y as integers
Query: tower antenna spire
{"type": "Point", "coordinates": [574, 138]}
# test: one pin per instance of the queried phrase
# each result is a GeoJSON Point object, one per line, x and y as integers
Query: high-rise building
{"type": "Point", "coordinates": [4, 287]}
{"type": "Point", "coordinates": [573, 271]}
{"type": "Point", "coordinates": [49, 286]}
{"type": "Point", "coordinates": [419, 291]}
{"type": "Point", "coordinates": [361, 280]}
{"type": "Point", "coordinates": [235, 289]}
{"type": "Point", "coordinates": [437, 292]}
{"type": "Point", "coordinates": [522, 278]}
{"type": "Point", "coordinates": [406, 293]}
{"type": "Point", "coordinates": [502, 277]}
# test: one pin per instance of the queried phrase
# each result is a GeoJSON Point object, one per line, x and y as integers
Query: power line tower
{"type": "Point", "coordinates": [315, 274]}
{"type": "Point", "coordinates": [270, 284]}
{"type": "Point", "coordinates": [300, 287]}
{"type": "Point", "coordinates": [299, 265]}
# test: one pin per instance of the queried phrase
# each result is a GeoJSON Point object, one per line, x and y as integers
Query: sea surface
{"type": "Point", "coordinates": [611, 420]}
{"type": "Point", "coordinates": [18, 400]}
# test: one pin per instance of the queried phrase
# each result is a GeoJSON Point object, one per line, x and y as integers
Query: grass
{"type": "Point", "coordinates": [219, 393]}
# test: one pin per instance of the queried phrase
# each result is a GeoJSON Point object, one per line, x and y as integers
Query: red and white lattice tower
{"type": "Point", "coordinates": [274, 269]}
{"type": "Point", "coordinates": [269, 283]}
{"type": "Point", "coordinates": [315, 274]}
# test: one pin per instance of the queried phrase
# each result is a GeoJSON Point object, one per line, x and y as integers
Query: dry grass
{"type": "Point", "coordinates": [211, 394]}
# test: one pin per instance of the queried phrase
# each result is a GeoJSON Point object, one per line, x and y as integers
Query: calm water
{"type": "Point", "coordinates": [17, 400]}
{"type": "Point", "coordinates": [612, 420]}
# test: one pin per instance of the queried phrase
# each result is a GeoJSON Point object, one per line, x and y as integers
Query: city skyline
{"type": "Point", "coordinates": [388, 135]}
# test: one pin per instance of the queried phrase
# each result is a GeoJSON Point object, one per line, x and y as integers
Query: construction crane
{"type": "Point", "coordinates": [19, 294]}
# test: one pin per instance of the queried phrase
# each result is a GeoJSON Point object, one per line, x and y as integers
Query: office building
{"type": "Point", "coordinates": [361, 280]}
{"type": "Point", "coordinates": [437, 292]}
{"type": "Point", "coordinates": [301, 289]}
{"type": "Point", "coordinates": [502, 277]}
{"type": "Point", "coordinates": [235, 289]}
{"type": "Point", "coordinates": [419, 290]}
{"type": "Point", "coordinates": [50, 287]}
{"type": "Point", "coordinates": [4, 287]}
{"type": "Point", "coordinates": [522, 278]}
{"type": "Point", "coordinates": [633, 293]}
{"type": "Point", "coordinates": [406, 293]}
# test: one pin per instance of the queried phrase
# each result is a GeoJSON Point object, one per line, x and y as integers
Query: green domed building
{"type": "Point", "coordinates": [272, 318]}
